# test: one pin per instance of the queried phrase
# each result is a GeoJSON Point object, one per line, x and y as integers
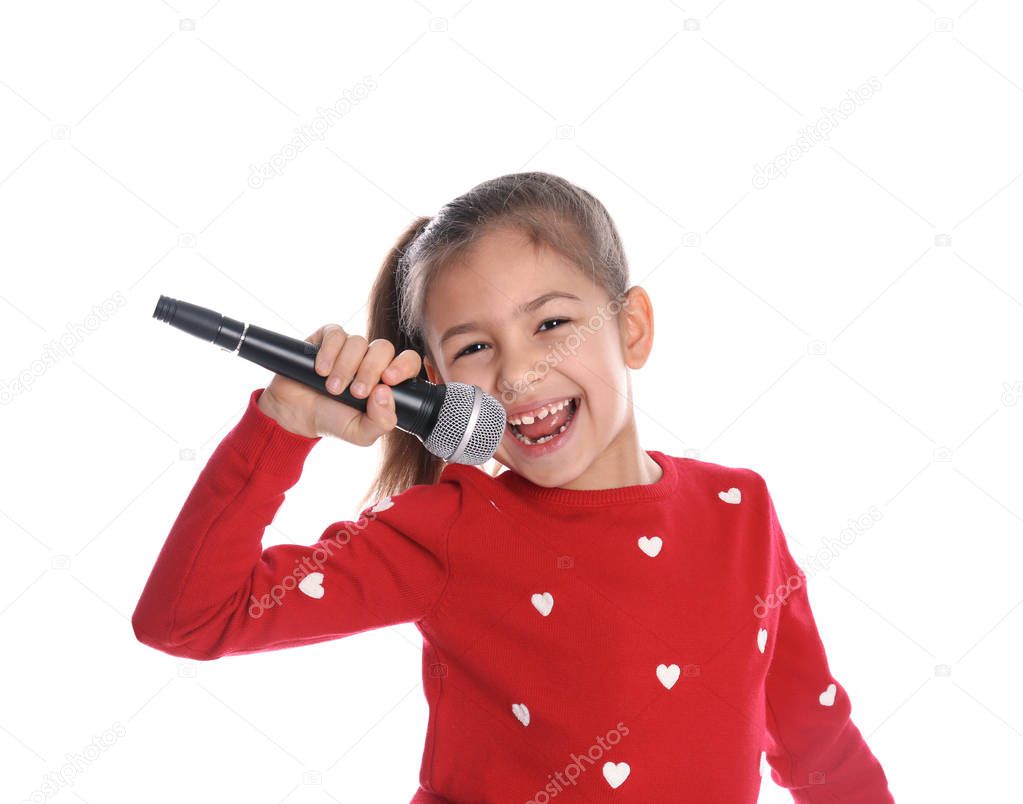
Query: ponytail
{"type": "Point", "coordinates": [405, 461]}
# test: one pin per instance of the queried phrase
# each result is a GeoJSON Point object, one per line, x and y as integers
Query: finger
{"type": "Point", "coordinates": [317, 337]}
{"type": "Point", "coordinates": [407, 364]}
{"type": "Point", "coordinates": [380, 416]}
{"type": "Point", "coordinates": [347, 362]}
{"type": "Point", "coordinates": [330, 339]}
{"type": "Point", "coordinates": [379, 354]}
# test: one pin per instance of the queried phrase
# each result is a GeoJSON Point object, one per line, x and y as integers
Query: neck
{"type": "Point", "coordinates": [623, 463]}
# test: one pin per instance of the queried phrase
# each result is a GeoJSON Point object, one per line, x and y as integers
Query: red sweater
{"type": "Point", "coordinates": [635, 644]}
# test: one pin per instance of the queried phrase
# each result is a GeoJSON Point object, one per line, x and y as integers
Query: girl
{"type": "Point", "coordinates": [600, 622]}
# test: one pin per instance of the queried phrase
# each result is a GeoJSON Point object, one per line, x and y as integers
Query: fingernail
{"type": "Point", "coordinates": [358, 388]}
{"type": "Point", "coordinates": [382, 397]}
{"type": "Point", "coordinates": [334, 385]}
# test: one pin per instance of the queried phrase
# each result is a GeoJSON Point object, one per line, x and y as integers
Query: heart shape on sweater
{"type": "Point", "coordinates": [668, 674]}
{"type": "Point", "coordinates": [312, 584]}
{"type": "Point", "coordinates": [543, 603]}
{"type": "Point", "coordinates": [762, 639]}
{"type": "Point", "coordinates": [382, 505]}
{"type": "Point", "coordinates": [616, 773]}
{"type": "Point", "coordinates": [733, 496]}
{"type": "Point", "coordinates": [651, 545]}
{"type": "Point", "coordinates": [521, 712]}
{"type": "Point", "coordinates": [827, 698]}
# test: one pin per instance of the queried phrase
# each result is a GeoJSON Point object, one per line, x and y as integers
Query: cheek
{"type": "Point", "coordinates": [599, 353]}
{"type": "Point", "coordinates": [598, 368]}
{"type": "Point", "coordinates": [462, 371]}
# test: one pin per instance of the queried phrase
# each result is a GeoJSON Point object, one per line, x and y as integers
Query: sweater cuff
{"type": "Point", "coordinates": [279, 450]}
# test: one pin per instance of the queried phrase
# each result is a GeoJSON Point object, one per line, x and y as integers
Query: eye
{"type": "Point", "coordinates": [553, 320]}
{"type": "Point", "coordinates": [466, 350]}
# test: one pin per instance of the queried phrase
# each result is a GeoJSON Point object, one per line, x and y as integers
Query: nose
{"type": "Point", "coordinates": [520, 368]}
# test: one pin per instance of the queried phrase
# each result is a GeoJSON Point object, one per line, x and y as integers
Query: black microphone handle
{"type": "Point", "coordinates": [416, 401]}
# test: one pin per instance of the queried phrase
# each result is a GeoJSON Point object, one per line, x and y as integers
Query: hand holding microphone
{"type": "Point", "coordinates": [348, 360]}
{"type": "Point", "coordinates": [457, 422]}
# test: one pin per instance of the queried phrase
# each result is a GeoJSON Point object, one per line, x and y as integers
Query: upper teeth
{"type": "Point", "coordinates": [539, 413]}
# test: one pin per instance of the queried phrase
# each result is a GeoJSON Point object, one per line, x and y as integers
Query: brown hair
{"type": "Point", "coordinates": [548, 209]}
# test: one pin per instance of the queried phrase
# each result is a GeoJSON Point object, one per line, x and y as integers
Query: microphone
{"type": "Point", "coordinates": [457, 422]}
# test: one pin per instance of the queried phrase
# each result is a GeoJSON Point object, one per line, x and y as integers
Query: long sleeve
{"type": "Point", "coordinates": [812, 745]}
{"type": "Point", "coordinates": [215, 591]}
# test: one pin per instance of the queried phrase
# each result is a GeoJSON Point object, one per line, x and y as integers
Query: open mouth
{"type": "Point", "coordinates": [548, 429]}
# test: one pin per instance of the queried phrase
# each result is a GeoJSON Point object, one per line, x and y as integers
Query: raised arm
{"type": "Point", "coordinates": [215, 591]}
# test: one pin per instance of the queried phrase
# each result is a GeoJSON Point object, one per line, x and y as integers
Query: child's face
{"type": "Point", "coordinates": [522, 358]}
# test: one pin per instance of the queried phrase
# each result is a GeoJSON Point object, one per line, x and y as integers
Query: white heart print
{"type": "Point", "coordinates": [668, 674]}
{"type": "Point", "coordinates": [827, 698]}
{"type": "Point", "coordinates": [616, 774]}
{"type": "Point", "coordinates": [382, 505]}
{"type": "Point", "coordinates": [543, 603]}
{"type": "Point", "coordinates": [733, 496]}
{"type": "Point", "coordinates": [651, 545]}
{"type": "Point", "coordinates": [312, 584]}
{"type": "Point", "coordinates": [762, 639]}
{"type": "Point", "coordinates": [521, 712]}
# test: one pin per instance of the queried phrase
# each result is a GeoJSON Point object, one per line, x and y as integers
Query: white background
{"type": "Point", "coordinates": [851, 330]}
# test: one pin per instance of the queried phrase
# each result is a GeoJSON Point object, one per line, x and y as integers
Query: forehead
{"type": "Point", "coordinates": [502, 270]}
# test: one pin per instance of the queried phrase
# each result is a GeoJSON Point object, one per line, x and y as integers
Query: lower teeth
{"type": "Point", "coordinates": [543, 439]}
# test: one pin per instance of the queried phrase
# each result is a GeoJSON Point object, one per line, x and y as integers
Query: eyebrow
{"type": "Point", "coordinates": [520, 309]}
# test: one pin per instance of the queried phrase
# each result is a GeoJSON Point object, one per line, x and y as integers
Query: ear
{"type": "Point", "coordinates": [431, 371]}
{"type": "Point", "coordinates": [636, 326]}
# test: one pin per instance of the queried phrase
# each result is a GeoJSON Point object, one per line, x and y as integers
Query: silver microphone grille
{"type": "Point", "coordinates": [469, 427]}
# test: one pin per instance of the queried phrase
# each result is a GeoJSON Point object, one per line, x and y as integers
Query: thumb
{"type": "Point", "coordinates": [380, 417]}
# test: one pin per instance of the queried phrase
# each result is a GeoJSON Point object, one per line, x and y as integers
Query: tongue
{"type": "Point", "coordinates": [547, 425]}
